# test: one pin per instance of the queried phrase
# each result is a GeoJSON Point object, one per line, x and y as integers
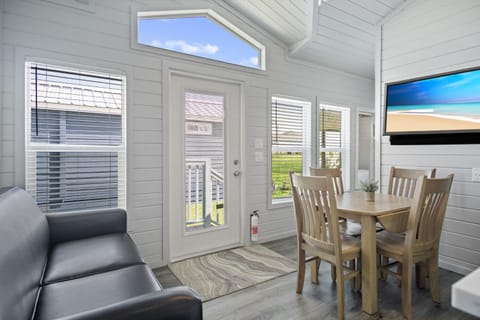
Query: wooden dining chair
{"type": "Point", "coordinates": [402, 181]}
{"type": "Point", "coordinates": [318, 233]}
{"type": "Point", "coordinates": [419, 244]}
{"type": "Point", "coordinates": [351, 228]}
{"type": "Point", "coordinates": [336, 175]}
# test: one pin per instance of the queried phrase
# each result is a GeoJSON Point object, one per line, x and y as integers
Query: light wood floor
{"type": "Point", "coordinates": [276, 299]}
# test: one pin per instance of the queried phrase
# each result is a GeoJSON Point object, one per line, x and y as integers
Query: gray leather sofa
{"type": "Point", "coordinates": [79, 265]}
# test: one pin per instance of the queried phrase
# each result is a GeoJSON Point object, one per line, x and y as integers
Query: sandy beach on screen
{"type": "Point", "coordinates": [415, 122]}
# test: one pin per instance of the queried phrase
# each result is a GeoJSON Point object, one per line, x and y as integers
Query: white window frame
{"type": "Point", "coordinates": [345, 141]}
{"type": "Point", "coordinates": [34, 147]}
{"type": "Point", "coordinates": [209, 13]}
{"type": "Point", "coordinates": [306, 148]}
{"type": "Point", "coordinates": [314, 145]}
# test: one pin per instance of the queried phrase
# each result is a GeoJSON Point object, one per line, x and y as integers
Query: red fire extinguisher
{"type": "Point", "coordinates": [254, 226]}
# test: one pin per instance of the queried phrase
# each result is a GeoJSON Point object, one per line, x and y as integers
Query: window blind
{"type": "Point", "coordinates": [76, 180]}
{"type": "Point", "coordinates": [75, 151]}
{"type": "Point", "coordinates": [287, 125]}
{"type": "Point", "coordinates": [330, 128]}
{"type": "Point", "coordinates": [291, 146]}
{"type": "Point", "coordinates": [331, 137]}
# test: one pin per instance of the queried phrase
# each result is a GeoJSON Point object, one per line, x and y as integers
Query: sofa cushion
{"type": "Point", "coordinates": [65, 298]}
{"type": "Point", "coordinates": [79, 258]}
{"type": "Point", "coordinates": [24, 239]}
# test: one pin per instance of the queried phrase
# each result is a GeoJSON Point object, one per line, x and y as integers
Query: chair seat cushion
{"type": "Point", "coordinates": [66, 298]}
{"type": "Point", "coordinates": [391, 242]}
{"type": "Point", "coordinates": [79, 258]}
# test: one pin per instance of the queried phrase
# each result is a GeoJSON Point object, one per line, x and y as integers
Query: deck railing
{"type": "Point", "coordinates": [204, 190]}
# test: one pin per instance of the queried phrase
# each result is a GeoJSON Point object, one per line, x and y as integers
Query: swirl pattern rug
{"type": "Point", "coordinates": [224, 272]}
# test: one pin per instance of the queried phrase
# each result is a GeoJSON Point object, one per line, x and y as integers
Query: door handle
{"type": "Point", "coordinates": [236, 173]}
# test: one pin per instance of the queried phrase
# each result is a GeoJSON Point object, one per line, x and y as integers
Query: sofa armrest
{"type": "Point", "coordinates": [179, 303]}
{"type": "Point", "coordinates": [67, 226]}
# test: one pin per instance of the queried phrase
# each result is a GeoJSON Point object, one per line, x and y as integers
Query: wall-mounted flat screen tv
{"type": "Point", "coordinates": [444, 103]}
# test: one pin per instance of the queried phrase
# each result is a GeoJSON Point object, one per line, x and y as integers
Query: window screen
{"type": "Point", "coordinates": [75, 150]}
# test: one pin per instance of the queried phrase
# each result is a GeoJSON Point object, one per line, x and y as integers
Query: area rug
{"type": "Point", "coordinates": [224, 272]}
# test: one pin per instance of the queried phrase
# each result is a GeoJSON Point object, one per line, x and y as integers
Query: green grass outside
{"type": "Point", "coordinates": [217, 214]}
{"type": "Point", "coordinates": [282, 163]}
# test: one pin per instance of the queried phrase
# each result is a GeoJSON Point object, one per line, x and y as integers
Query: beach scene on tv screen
{"type": "Point", "coordinates": [445, 103]}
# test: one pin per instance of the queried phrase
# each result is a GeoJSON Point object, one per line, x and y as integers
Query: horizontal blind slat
{"type": "Point", "coordinates": [331, 137]}
{"type": "Point", "coordinates": [67, 178]}
{"type": "Point", "coordinates": [287, 125]}
{"type": "Point", "coordinates": [74, 128]}
{"type": "Point", "coordinates": [330, 128]}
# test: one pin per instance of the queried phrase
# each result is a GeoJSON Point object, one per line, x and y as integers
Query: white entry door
{"type": "Point", "coordinates": [204, 166]}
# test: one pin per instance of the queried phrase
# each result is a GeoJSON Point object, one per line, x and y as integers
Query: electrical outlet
{"type": "Point", "coordinates": [475, 174]}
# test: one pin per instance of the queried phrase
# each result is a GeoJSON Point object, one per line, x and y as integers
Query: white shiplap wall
{"type": "Point", "coordinates": [344, 37]}
{"type": "Point", "coordinates": [427, 37]}
{"type": "Point", "coordinates": [102, 39]}
{"type": "Point", "coordinates": [1, 90]}
{"type": "Point", "coordinates": [285, 19]}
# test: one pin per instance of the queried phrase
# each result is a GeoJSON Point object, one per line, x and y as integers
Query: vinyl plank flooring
{"type": "Point", "coordinates": [166, 277]}
{"type": "Point", "coordinates": [276, 299]}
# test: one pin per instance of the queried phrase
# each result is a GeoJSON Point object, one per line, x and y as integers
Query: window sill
{"type": "Point", "coordinates": [280, 203]}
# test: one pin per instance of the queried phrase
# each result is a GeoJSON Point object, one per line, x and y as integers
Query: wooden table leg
{"type": "Point", "coordinates": [369, 265]}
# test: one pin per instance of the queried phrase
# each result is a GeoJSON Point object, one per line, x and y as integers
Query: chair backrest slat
{"type": "Point", "coordinates": [336, 175]}
{"type": "Point", "coordinates": [315, 211]}
{"type": "Point", "coordinates": [402, 182]}
{"type": "Point", "coordinates": [428, 212]}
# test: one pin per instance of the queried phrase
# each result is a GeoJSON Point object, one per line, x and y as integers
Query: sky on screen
{"type": "Point", "coordinates": [455, 88]}
{"type": "Point", "coordinates": [198, 36]}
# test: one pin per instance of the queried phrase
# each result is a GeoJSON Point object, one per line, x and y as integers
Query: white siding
{"type": "Point", "coordinates": [102, 39]}
{"type": "Point", "coordinates": [429, 37]}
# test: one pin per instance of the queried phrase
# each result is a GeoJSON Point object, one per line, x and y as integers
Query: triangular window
{"type": "Point", "coordinates": [201, 33]}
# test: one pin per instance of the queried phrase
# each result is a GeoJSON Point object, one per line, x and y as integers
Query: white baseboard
{"type": "Point", "coordinates": [277, 236]}
{"type": "Point", "coordinates": [154, 262]}
{"type": "Point", "coordinates": [455, 265]}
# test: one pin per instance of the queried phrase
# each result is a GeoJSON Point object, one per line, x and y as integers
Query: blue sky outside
{"type": "Point", "coordinates": [461, 88]}
{"type": "Point", "coordinates": [197, 36]}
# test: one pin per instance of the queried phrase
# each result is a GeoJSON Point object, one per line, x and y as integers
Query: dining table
{"type": "Point", "coordinates": [391, 212]}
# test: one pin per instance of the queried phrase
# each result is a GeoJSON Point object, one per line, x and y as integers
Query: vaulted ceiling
{"type": "Point", "coordinates": [339, 34]}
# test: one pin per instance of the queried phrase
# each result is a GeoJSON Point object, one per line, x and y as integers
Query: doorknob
{"type": "Point", "coordinates": [236, 173]}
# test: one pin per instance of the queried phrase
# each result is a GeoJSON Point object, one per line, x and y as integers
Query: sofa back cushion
{"type": "Point", "coordinates": [24, 241]}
